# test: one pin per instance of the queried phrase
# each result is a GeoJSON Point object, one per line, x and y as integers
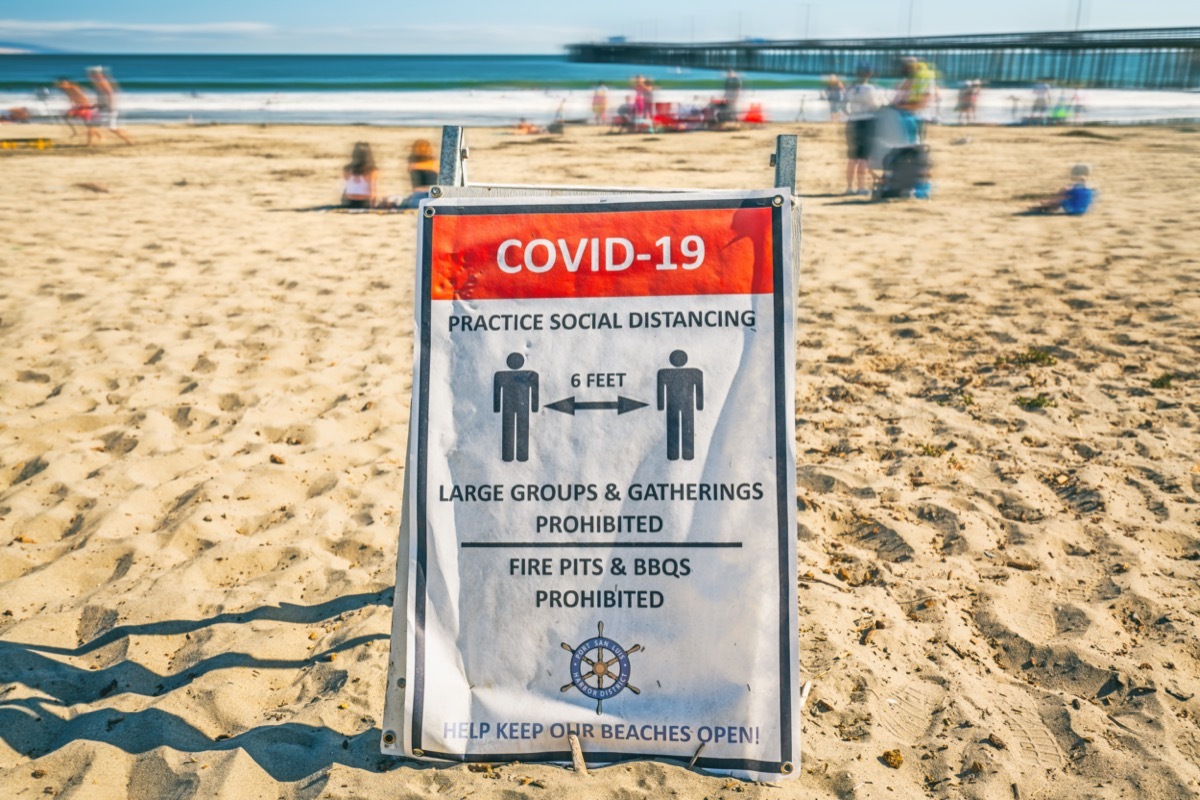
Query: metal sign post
{"type": "Point", "coordinates": [598, 535]}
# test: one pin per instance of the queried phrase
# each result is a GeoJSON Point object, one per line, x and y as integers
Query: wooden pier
{"type": "Point", "coordinates": [1157, 58]}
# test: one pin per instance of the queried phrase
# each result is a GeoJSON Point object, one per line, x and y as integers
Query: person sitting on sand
{"type": "Point", "coordinates": [82, 108]}
{"type": "Point", "coordinates": [1074, 199]}
{"type": "Point", "coordinates": [526, 127]}
{"type": "Point", "coordinates": [422, 171]}
{"type": "Point", "coordinates": [358, 190]}
{"type": "Point", "coordinates": [422, 168]}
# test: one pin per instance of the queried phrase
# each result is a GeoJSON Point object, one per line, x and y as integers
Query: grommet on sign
{"type": "Point", "coordinates": [430, 211]}
{"type": "Point", "coordinates": [389, 738]}
{"type": "Point", "coordinates": [435, 191]}
{"type": "Point", "coordinates": [787, 768]}
{"type": "Point", "coordinates": [777, 201]}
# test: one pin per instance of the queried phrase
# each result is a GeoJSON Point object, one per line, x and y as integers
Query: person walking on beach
{"type": "Point", "coordinates": [862, 101]}
{"type": "Point", "coordinates": [106, 101]}
{"type": "Point", "coordinates": [82, 108]}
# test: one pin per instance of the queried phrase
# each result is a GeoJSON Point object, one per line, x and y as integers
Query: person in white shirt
{"type": "Point", "coordinates": [862, 101]}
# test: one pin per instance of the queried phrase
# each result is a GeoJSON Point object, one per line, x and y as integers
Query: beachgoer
{"type": "Point", "coordinates": [82, 108]}
{"type": "Point", "coordinates": [639, 100]}
{"type": "Point", "coordinates": [933, 112]}
{"type": "Point", "coordinates": [359, 189]}
{"type": "Point", "coordinates": [524, 126]}
{"type": "Point", "coordinates": [1076, 106]}
{"type": "Point", "coordinates": [600, 104]}
{"type": "Point", "coordinates": [964, 99]}
{"type": "Point", "coordinates": [1014, 107]}
{"type": "Point", "coordinates": [422, 166]}
{"type": "Point", "coordinates": [733, 92]}
{"type": "Point", "coordinates": [1073, 199]}
{"type": "Point", "coordinates": [968, 96]}
{"type": "Point", "coordinates": [1062, 109]}
{"type": "Point", "coordinates": [835, 93]}
{"type": "Point", "coordinates": [913, 95]}
{"type": "Point", "coordinates": [645, 89]}
{"type": "Point", "coordinates": [862, 101]}
{"type": "Point", "coordinates": [1041, 101]}
{"type": "Point", "coordinates": [106, 101]}
{"type": "Point", "coordinates": [422, 172]}
{"type": "Point", "coordinates": [623, 120]}
{"type": "Point", "coordinates": [973, 107]}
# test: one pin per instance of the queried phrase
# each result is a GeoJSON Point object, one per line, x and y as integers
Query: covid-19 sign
{"type": "Point", "coordinates": [600, 506]}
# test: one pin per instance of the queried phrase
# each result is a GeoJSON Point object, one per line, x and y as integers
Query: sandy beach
{"type": "Point", "coordinates": [203, 417]}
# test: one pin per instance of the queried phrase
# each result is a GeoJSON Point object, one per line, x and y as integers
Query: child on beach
{"type": "Point", "coordinates": [1074, 199]}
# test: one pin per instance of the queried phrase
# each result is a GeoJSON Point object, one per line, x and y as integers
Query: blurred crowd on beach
{"type": "Point", "coordinates": [886, 121]}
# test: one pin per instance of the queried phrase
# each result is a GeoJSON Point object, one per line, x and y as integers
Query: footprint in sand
{"type": "Point", "coordinates": [1030, 736]}
{"type": "Point", "coordinates": [1035, 620]}
{"type": "Point", "coordinates": [907, 711]}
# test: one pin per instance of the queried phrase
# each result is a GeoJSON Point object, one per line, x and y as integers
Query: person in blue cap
{"type": "Point", "coordinates": [862, 101]}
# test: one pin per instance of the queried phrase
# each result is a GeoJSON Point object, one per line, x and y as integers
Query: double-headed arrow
{"type": "Point", "coordinates": [570, 405]}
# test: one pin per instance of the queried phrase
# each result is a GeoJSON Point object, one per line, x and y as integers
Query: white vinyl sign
{"type": "Point", "coordinates": [600, 494]}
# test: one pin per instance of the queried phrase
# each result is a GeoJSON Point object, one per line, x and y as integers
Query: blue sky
{"type": "Point", "coordinates": [528, 26]}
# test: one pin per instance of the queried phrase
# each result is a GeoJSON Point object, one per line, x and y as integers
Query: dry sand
{"type": "Point", "coordinates": [203, 408]}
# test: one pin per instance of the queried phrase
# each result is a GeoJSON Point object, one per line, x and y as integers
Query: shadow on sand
{"type": "Point", "coordinates": [34, 726]}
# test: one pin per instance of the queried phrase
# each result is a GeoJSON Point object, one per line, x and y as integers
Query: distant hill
{"type": "Point", "coordinates": [20, 48]}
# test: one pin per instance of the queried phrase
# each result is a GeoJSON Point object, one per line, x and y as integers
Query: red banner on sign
{"type": "Point", "coordinates": [617, 254]}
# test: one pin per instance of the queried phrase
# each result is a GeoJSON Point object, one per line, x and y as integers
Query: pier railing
{"type": "Point", "coordinates": [1158, 58]}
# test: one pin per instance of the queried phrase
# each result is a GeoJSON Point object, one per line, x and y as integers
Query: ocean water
{"type": "Point", "coordinates": [461, 90]}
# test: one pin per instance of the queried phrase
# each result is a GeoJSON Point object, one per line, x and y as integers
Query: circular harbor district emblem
{"type": "Point", "coordinates": [600, 668]}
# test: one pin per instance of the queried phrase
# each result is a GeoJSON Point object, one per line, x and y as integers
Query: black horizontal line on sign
{"type": "Point", "coordinates": [601, 544]}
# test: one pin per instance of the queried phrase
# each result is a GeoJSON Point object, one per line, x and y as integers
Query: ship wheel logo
{"type": "Point", "coordinates": [606, 661]}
